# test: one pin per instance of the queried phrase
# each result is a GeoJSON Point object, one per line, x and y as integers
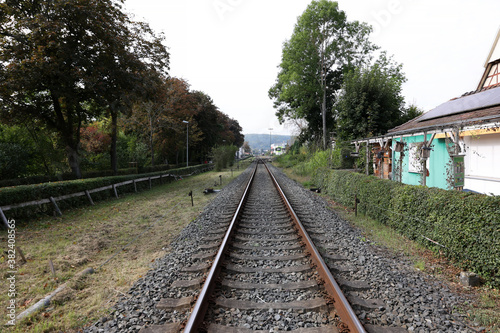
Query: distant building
{"type": "Point", "coordinates": [278, 149]}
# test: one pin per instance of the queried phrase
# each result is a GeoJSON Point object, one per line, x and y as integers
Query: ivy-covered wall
{"type": "Point", "coordinates": [466, 224]}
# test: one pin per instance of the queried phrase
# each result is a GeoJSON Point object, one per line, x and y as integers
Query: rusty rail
{"type": "Point", "coordinates": [344, 309]}
{"type": "Point", "coordinates": [342, 306]}
{"type": "Point", "coordinates": [196, 318]}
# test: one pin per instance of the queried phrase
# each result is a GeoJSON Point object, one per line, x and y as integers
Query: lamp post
{"type": "Point", "coordinates": [270, 147]}
{"type": "Point", "coordinates": [187, 141]}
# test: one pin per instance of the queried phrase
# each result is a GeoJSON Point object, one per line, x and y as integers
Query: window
{"type": "Point", "coordinates": [414, 161]}
{"type": "Point", "coordinates": [493, 76]}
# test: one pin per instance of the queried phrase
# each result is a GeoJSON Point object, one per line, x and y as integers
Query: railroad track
{"type": "Point", "coordinates": [259, 271]}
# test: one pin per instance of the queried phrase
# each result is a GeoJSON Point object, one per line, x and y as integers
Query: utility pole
{"type": "Point", "coordinates": [270, 147]}
{"type": "Point", "coordinates": [187, 141]}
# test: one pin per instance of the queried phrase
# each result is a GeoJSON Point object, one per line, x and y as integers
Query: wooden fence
{"type": "Point", "coordinates": [88, 193]}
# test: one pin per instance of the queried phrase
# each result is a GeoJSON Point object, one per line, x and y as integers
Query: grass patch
{"type": "Point", "coordinates": [87, 237]}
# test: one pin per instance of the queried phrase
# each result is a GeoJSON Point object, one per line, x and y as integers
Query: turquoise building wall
{"type": "Point", "coordinates": [438, 163]}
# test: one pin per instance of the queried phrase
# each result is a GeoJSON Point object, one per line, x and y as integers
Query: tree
{"type": "Point", "coordinates": [410, 112]}
{"type": "Point", "coordinates": [322, 47]}
{"type": "Point", "coordinates": [371, 102]}
{"type": "Point", "coordinates": [66, 61]}
{"type": "Point", "coordinates": [27, 150]}
{"type": "Point", "coordinates": [95, 143]}
{"type": "Point", "coordinates": [159, 120]}
{"type": "Point", "coordinates": [208, 119]}
{"type": "Point", "coordinates": [236, 129]}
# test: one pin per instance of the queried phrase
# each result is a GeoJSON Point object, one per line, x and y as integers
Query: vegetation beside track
{"type": "Point", "coordinates": [484, 307]}
{"type": "Point", "coordinates": [87, 237]}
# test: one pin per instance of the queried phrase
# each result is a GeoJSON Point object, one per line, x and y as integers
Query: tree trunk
{"type": "Point", "coordinates": [323, 111]}
{"type": "Point", "coordinates": [151, 141]}
{"type": "Point", "coordinates": [32, 132]}
{"type": "Point", "coordinates": [74, 163]}
{"type": "Point", "coordinates": [114, 134]}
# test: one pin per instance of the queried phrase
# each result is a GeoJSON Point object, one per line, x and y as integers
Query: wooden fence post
{"type": "Point", "coordinates": [149, 179]}
{"type": "Point", "coordinates": [135, 186]}
{"type": "Point", "coordinates": [21, 254]}
{"type": "Point", "coordinates": [367, 166]}
{"type": "Point", "coordinates": [58, 211]}
{"type": "Point", "coordinates": [114, 190]}
{"type": "Point", "coordinates": [356, 201]}
{"type": "Point", "coordinates": [4, 219]}
{"type": "Point", "coordinates": [87, 193]}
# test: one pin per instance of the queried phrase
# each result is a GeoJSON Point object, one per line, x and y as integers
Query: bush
{"type": "Point", "coordinates": [341, 156]}
{"type": "Point", "coordinates": [467, 224]}
{"type": "Point", "coordinates": [28, 193]}
{"type": "Point", "coordinates": [223, 156]}
{"type": "Point", "coordinates": [318, 160]}
{"type": "Point", "coordinates": [63, 177]}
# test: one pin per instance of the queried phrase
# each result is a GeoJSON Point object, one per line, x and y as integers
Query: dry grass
{"type": "Point", "coordinates": [87, 237]}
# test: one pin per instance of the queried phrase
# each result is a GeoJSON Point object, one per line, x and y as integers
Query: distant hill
{"type": "Point", "coordinates": [261, 141]}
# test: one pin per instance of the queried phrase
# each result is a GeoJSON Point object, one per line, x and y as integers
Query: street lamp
{"type": "Point", "coordinates": [270, 145]}
{"type": "Point", "coordinates": [187, 141]}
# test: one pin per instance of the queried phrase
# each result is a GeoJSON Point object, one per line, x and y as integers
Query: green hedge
{"type": "Point", "coordinates": [27, 193]}
{"type": "Point", "coordinates": [467, 224]}
{"type": "Point", "coordinates": [65, 176]}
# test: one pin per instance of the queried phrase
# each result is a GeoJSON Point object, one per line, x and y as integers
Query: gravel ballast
{"type": "Point", "coordinates": [411, 299]}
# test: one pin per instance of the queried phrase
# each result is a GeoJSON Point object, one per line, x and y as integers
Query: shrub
{"type": "Point", "coordinates": [223, 156]}
{"type": "Point", "coordinates": [67, 176]}
{"type": "Point", "coordinates": [466, 224]}
{"type": "Point", "coordinates": [318, 160]}
{"type": "Point", "coordinates": [341, 156]}
{"type": "Point", "coordinates": [28, 193]}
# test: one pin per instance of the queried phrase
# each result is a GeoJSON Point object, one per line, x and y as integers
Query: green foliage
{"type": "Point", "coordinates": [371, 102]}
{"type": "Point", "coordinates": [26, 151]}
{"type": "Point", "coordinates": [135, 150]}
{"type": "Point", "coordinates": [317, 160]}
{"type": "Point", "coordinates": [468, 225]}
{"type": "Point", "coordinates": [223, 156]}
{"type": "Point", "coordinates": [341, 156]}
{"type": "Point", "coordinates": [27, 193]}
{"type": "Point", "coordinates": [15, 160]}
{"type": "Point", "coordinates": [65, 62]}
{"type": "Point", "coordinates": [291, 159]}
{"type": "Point", "coordinates": [410, 112]}
{"type": "Point", "coordinates": [323, 46]}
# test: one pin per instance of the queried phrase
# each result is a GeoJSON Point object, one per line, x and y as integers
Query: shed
{"type": "Point", "coordinates": [455, 145]}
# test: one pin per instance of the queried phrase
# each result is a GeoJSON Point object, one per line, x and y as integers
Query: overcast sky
{"type": "Point", "coordinates": [230, 49]}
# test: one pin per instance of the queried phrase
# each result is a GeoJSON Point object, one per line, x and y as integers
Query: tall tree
{"type": "Point", "coordinates": [323, 45]}
{"type": "Point", "coordinates": [207, 117]}
{"type": "Point", "coordinates": [370, 102]}
{"type": "Point", "coordinates": [162, 116]}
{"type": "Point", "coordinates": [65, 61]}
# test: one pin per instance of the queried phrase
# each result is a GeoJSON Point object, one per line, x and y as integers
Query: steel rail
{"type": "Point", "coordinates": [344, 309]}
{"type": "Point", "coordinates": [197, 315]}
